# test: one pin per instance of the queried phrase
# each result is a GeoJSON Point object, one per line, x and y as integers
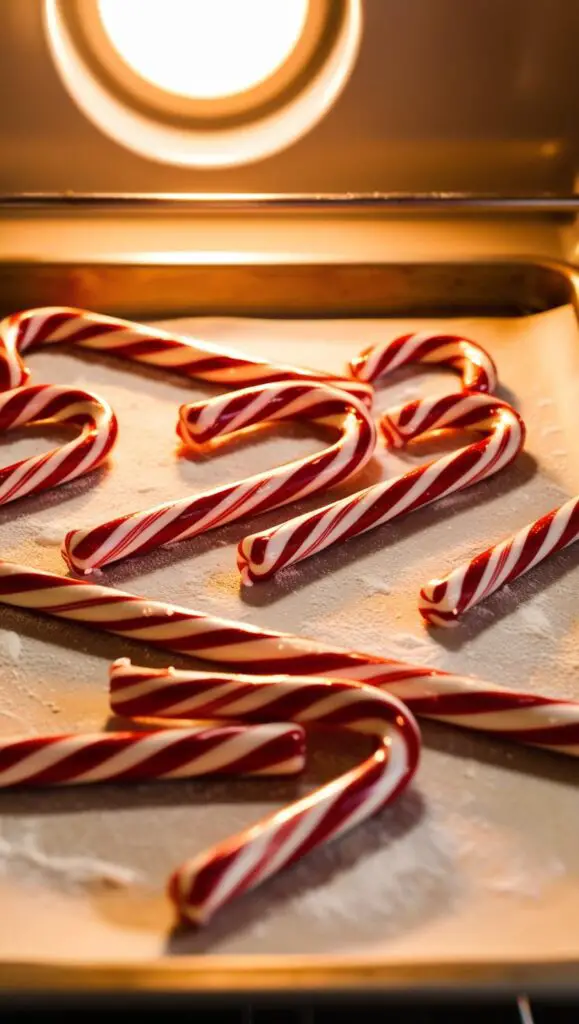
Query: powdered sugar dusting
{"type": "Point", "coordinates": [535, 620]}
{"type": "Point", "coordinates": [24, 852]}
{"type": "Point", "coordinates": [418, 648]}
{"type": "Point", "coordinates": [417, 860]}
{"type": "Point", "coordinates": [497, 861]}
{"type": "Point", "coordinates": [10, 644]}
{"type": "Point", "coordinates": [375, 585]}
{"type": "Point", "coordinates": [50, 535]}
{"type": "Point", "coordinates": [392, 876]}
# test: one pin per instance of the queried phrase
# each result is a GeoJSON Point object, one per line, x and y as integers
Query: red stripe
{"type": "Point", "coordinates": [49, 325]}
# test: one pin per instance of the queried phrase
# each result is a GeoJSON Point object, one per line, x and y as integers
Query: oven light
{"type": "Point", "coordinates": [204, 48]}
{"type": "Point", "coordinates": [204, 83]}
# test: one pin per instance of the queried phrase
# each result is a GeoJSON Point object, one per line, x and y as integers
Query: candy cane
{"type": "Point", "coordinates": [203, 885]}
{"type": "Point", "coordinates": [476, 368]}
{"type": "Point", "coordinates": [152, 346]}
{"type": "Point", "coordinates": [443, 600]}
{"type": "Point", "coordinates": [263, 554]}
{"type": "Point", "coordinates": [76, 759]}
{"type": "Point", "coordinates": [459, 700]}
{"type": "Point", "coordinates": [50, 403]}
{"type": "Point", "coordinates": [223, 417]}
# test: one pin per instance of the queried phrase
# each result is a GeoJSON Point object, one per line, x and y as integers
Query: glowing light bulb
{"type": "Point", "coordinates": [204, 49]}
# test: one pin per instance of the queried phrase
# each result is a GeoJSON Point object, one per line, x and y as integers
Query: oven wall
{"type": "Point", "coordinates": [446, 95]}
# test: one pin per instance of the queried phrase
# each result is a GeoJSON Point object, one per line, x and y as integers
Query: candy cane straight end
{"type": "Point", "coordinates": [160, 753]}
{"type": "Point", "coordinates": [191, 885]}
{"type": "Point", "coordinates": [444, 600]}
{"type": "Point", "coordinates": [187, 913]}
{"type": "Point", "coordinates": [243, 567]}
{"type": "Point", "coordinates": [66, 557]}
{"type": "Point", "coordinates": [427, 606]}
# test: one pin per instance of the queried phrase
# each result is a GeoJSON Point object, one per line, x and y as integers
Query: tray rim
{"type": "Point", "coordinates": [275, 268]}
{"type": "Point", "coordinates": [259, 203]}
{"type": "Point", "coordinates": [286, 976]}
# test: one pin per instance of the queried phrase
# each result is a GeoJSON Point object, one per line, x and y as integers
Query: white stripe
{"type": "Point", "coordinates": [392, 773]}
{"type": "Point", "coordinates": [89, 408]}
{"type": "Point", "coordinates": [317, 805]}
{"type": "Point", "coordinates": [415, 688]}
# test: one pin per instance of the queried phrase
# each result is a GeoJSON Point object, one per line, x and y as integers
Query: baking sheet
{"type": "Point", "coordinates": [479, 859]}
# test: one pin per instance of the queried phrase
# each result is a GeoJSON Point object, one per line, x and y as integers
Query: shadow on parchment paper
{"type": "Point", "coordinates": [432, 891]}
{"type": "Point", "coordinates": [487, 748]}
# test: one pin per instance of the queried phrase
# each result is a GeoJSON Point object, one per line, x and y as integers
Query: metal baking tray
{"type": "Point", "coordinates": [471, 879]}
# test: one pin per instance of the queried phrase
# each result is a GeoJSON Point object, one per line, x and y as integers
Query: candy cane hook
{"type": "Point", "coordinates": [48, 403]}
{"type": "Point", "coordinates": [221, 418]}
{"type": "Point", "coordinates": [473, 364]}
{"type": "Point", "coordinates": [204, 884]}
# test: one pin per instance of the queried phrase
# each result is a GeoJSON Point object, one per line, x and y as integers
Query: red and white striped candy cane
{"type": "Point", "coordinates": [443, 600]}
{"type": "Point", "coordinates": [263, 554]}
{"type": "Point", "coordinates": [79, 759]}
{"type": "Point", "coordinates": [202, 885]}
{"type": "Point", "coordinates": [43, 403]}
{"type": "Point", "coordinates": [460, 700]}
{"type": "Point", "coordinates": [224, 417]}
{"type": "Point", "coordinates": [476, 368]}
{"type": "Point", "coordinates": [190, 357]}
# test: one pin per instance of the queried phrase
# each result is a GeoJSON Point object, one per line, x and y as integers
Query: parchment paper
{"type": "Point", "coordinates": [480, 858]}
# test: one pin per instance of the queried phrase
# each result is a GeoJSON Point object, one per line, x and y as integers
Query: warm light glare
{"type": "Point", "coordinates": [204, 49]}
